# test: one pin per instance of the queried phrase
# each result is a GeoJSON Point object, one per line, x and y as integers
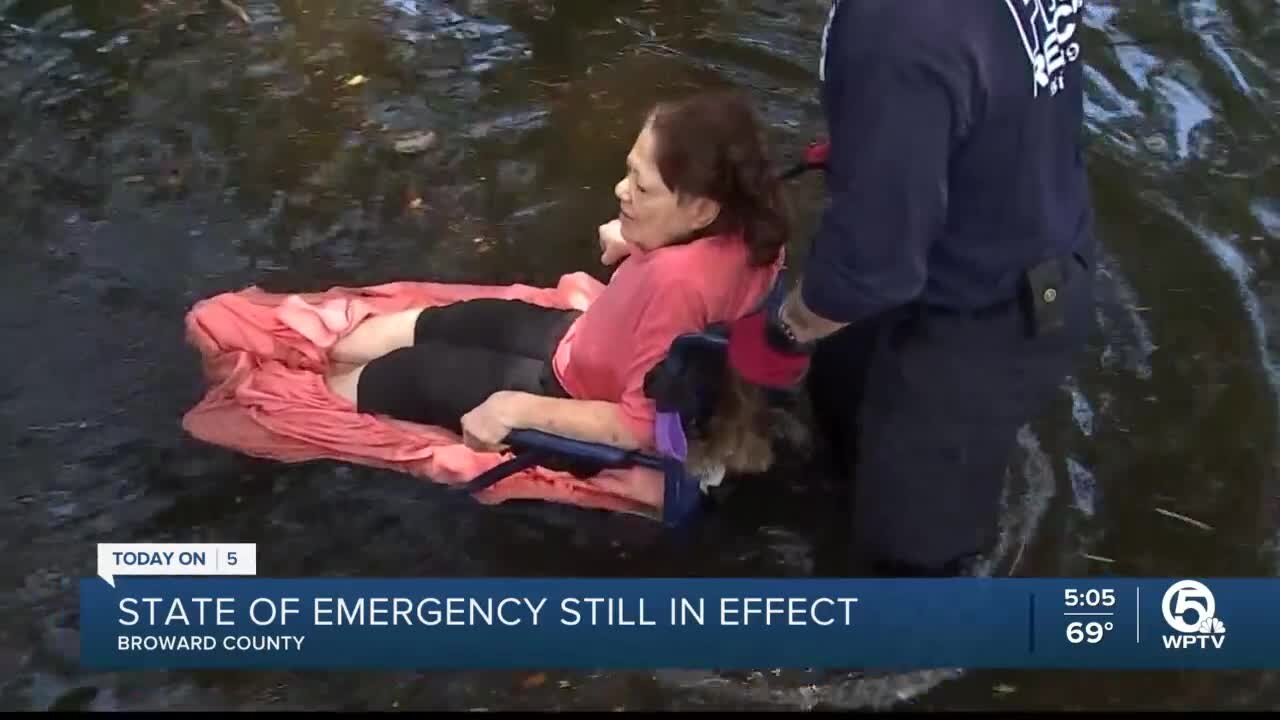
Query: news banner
{"type": "Point", "coordinates": [163, 606]}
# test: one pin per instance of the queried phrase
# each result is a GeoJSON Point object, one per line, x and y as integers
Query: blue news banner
{"type": "Point", "coordinates": [1121, 623]}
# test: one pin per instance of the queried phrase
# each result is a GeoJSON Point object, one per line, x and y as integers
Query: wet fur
{"type": "Point", "coordinates": [741, 435]}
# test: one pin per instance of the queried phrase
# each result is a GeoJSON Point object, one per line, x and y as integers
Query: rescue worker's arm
{"type": "Point", "coordinates": [890, 117]}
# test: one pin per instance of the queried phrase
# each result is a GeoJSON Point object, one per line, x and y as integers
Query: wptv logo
{"type": "Point", "coordinates": [1190, 609]}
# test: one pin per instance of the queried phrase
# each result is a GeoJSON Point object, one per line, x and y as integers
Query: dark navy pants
{"type": "Point", "coordinates": [921, 408]}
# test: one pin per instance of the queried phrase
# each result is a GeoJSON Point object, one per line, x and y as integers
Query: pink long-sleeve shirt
{"type": "Point", "coordinates": [651, 299]}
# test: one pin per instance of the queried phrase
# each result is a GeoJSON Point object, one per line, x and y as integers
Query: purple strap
{"type": "Point", "coordinates": [670, 437]}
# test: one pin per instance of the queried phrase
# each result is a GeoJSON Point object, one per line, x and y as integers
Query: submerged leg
{"type": "Point", "coordinates": [946, 397]}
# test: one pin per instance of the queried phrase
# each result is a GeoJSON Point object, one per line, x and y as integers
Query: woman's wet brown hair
{"type": "Point", "coordinates": [712, 145]}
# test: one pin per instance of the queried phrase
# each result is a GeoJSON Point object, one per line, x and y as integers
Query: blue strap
{"type": "Point", "coordinates": [534, 447]}
{"type": "Point", "coordinates": [548, 444]}
{"type": "Point", "coordinates": [500, 472]}
{"type": "Point", "coordinates": [682, 494]}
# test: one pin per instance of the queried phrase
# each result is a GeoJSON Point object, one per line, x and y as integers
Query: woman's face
{"type": "Point", "coordinates": [651, 215]}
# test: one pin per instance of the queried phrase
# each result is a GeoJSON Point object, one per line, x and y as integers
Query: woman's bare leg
{"type": "Point", "coordinates": [343, 381]}
{"type": "Point", "coordinates": [376, 337]}
{"type": "Point", "coordinates": [372, 339]}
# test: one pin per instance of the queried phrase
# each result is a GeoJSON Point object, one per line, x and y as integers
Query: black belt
{"type": "Point", "coordinates": [1040, 294]}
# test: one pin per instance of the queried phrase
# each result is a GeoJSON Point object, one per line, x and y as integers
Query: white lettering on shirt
{"type": "Point", "coordinates": [1048, 29]}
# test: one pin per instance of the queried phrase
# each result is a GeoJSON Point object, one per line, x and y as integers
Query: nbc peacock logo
{"type": "Point", "coordinates": [1190, 608]}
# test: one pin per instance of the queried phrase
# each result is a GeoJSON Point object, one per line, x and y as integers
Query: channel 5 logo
{"type": "Point", "coordinates": [1190, 608]}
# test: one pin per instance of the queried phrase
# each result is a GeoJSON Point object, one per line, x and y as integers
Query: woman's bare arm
{"type": "Point", "coordinates": [487, 426]}
{"type": "Point", "coordinates": [587, 420]}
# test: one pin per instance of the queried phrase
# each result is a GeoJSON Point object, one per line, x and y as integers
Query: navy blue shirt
{"type": "Point", "coordinates": [956, 161]}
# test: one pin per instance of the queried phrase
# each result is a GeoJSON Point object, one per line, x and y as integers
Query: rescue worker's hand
{"type": "Point", "coordinates": [612, 246]}
{"type": "Point", "coordinates": [487, 425]}
{"type": "Point", "coordinates": [760, 353]}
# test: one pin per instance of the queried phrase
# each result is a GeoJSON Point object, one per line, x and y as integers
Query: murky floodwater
{"type": "Point", "coordinates": [158, 152]}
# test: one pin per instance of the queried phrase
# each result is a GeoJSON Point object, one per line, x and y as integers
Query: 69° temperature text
{"type": "Point", "coordinates": [1090, 632]}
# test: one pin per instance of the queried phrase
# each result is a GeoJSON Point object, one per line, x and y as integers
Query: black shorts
{"type": "Point", "coordinates": [462, 354]}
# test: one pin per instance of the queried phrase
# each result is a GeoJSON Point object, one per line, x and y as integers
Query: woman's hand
{"type": "Point", "coordinates": [487, 425]}
{"type": "Point", "coordinates": [612, 245]}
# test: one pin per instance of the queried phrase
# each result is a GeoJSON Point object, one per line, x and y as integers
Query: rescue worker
{"type": "Point", "coordinates": [948, 291]}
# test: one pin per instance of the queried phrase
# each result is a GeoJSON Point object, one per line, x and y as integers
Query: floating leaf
{"type": "Point", "coordinates": [238, 11]}
{"type": "Point", "coordinates": [1083, 486]}
{"type": "Point", "coordinates": [1185, 519]}
{"type": "Point", "coordinates": [415, 142]}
